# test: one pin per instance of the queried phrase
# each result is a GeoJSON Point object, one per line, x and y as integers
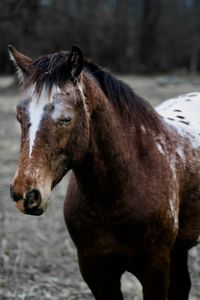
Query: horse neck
{"type": "Point", "coordinates": [112, 151]}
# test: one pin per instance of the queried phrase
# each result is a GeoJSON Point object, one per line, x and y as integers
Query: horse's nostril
{"type": "Point", "coordinates": [32, 199]}
{"type": "Point", "coordinates": [16, 197]}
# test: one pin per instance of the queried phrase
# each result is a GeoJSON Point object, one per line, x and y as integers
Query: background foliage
{"type": "Point", "coordinates": [123, 35]}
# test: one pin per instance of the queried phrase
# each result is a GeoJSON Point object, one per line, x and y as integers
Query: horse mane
{"type": "Point", "coordinates": [52, 69]}
{"type": "Point", "coordinates": [123, 97]}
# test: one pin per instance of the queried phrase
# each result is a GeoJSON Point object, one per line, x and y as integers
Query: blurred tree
{"type": "Point", "coordinates": [148, 41]}
{"type": "Point", "coordinates": [125, 36]}
{"type": "Point", "coordinates": [194, 38]}
{"type": "Point", "coordinates": [17, 26]}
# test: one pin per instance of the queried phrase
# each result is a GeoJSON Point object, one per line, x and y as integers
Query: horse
{"type": "Point", "coordinates": [133, 198]}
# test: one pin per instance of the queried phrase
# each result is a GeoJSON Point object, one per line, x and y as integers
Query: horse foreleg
{"type": "Point", "coordinates": [180, 283]}
{"type": "Point", "coordinates": [154, 277]}
{"type": "Point", "coordinates": [102, 278]}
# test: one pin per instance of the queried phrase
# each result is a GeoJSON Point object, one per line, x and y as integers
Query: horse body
{"type": "Point", "coordinates": [124, 207]}
{"type": "Point", "coordinates": [133, 197]}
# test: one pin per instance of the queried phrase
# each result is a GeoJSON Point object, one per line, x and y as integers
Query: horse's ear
{"type": "Point", "coordinates": [75, 62]}
{"type": "Point", "coordinates": [20, 60]}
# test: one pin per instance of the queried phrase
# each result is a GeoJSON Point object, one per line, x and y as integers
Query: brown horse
{"type": "Point", "coordinates": [133, 200]}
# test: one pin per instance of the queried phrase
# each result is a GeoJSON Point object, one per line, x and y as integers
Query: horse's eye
{"type": "Point", "coordinates": [64, 121]}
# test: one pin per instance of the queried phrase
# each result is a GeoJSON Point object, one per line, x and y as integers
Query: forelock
{"type": "Point", "coordinates": [48, 70]}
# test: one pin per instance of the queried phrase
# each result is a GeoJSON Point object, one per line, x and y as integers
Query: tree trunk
{"type": "Point", "coordinates": [151, 12]}
{"type": "Point", "coordinates": [194, 59]}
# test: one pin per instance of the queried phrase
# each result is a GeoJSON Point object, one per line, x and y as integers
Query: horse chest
{"type": "Point", "coordinates": [120, 235]}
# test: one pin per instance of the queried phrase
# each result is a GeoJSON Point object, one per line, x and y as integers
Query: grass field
{"type": "Point", "coordinates": [37, 257]}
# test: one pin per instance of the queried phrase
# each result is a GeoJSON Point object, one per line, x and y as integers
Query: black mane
{"type": "Point", "coordinates": [122, 96]}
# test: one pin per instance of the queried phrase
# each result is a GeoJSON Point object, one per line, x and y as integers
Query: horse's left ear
{"type": "Point", "coordinates": [21, 61]}
{"type": "Point", "coordinates": [75, 62]}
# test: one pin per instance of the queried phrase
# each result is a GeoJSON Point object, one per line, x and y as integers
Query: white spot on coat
{"type": "Point", "coordinates": [174, 212]}
{"type": "Point", "coordinates": [160, 143]}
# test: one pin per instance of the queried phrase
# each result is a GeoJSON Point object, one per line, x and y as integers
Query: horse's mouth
{"type": "Point", "coordinates": [28, 211]}
{"type": "Point", "coordinates": [37, 212]}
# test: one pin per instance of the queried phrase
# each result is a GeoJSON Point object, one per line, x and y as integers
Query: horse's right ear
{"type": "Point", "coordinates": [75, 62]}
{"type": "Point", "coordinates": [21, 62]}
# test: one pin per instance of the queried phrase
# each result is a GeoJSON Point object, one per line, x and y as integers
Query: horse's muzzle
{"type": "Point", "coordinates": [30, 204]}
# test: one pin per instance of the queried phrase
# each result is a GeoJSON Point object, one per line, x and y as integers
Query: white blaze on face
{"type": "Point", "coordinates": [36, 111]}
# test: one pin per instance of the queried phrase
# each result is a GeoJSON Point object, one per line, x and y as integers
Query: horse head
{"type": "Point", "coordinates": [54, 123]}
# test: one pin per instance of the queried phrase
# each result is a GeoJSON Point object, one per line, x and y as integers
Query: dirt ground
{"type": "Point", "coordinates": [37, 258]}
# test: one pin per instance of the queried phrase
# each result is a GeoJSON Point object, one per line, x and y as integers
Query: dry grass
{"type": "Point", "coordinates": [37, 257]}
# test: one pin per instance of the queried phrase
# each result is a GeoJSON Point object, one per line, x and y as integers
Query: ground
{"type": "Point", "coordinates": [37, 258]}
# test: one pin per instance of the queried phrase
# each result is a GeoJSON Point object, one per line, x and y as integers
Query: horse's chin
{"type": "Point", "coordinates": [58, 180]}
